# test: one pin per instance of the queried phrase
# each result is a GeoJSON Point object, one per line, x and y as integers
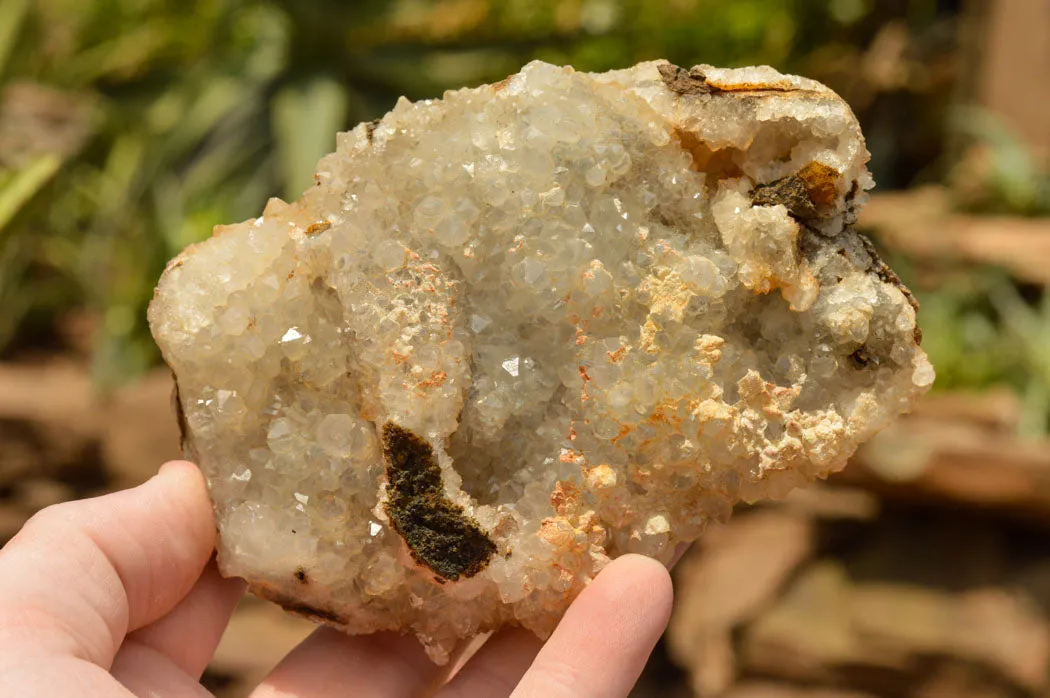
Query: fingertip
{"type": "Point", "coordinates": [186, 486]}
{"type": "Point", "coordinates": [644, 574]}
{"type": "Point", "coordinates": [641, 586]}
{"type": "Point", "coordinates": [662, 588]}
{"type": "Point", "coordinates": [181, 469]}
{"type": "Point", "coordinates": [640, 564]}
{"type": "Point", "coordinates": [602, 643]}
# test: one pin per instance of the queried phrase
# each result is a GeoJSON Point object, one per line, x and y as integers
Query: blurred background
{"type": "Point", "coordinates": [128, 128]}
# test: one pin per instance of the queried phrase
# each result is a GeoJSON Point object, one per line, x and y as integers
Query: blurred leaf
{"type": "Point", "coordinates": [306, 116]}
{"type": "Point", "coordinates": [12, 14]}
{"type": "Point", "coordinates": [1028, 326]}
{"type": "Point", "coordinates": [23, 185]}
{"type": "Point", "coordinates": [123, 56]}
{"type": "Point", "coordinates": [219, 96]}
{"type": "Point", "coordinates": [1007, 179]}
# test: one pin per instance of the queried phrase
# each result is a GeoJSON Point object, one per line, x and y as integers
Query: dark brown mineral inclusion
{"type": "Point", "coordinates": [438, 534]}
{"type": "Point", "coordinates": [790, 191]}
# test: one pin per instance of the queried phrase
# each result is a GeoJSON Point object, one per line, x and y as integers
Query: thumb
{"type": "Point", "coordinates": [81, 575]}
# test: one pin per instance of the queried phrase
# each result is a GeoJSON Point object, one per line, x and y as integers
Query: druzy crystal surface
{"type": "Point", "coordinates": [518, 331]}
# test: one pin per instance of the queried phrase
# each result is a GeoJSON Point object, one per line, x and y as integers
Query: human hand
{"type": "Point", "coordinates": [115, 597]}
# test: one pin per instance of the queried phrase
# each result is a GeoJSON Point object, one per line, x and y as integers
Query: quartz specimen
{"type": "Point", "coordinates": [518, 331]}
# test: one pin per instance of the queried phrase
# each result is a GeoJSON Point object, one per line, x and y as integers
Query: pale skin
{"type": "Point", "coordinates": [118, 596]}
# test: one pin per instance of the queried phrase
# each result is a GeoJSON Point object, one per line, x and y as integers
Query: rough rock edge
{"type": "Point", "coordinates": [801, 196]}
{"type": "Point", "coordinates": [695, 82]}
{"type": "Point", "coordinates": [806, 193]}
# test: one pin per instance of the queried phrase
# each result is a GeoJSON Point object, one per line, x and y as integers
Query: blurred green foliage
{"type": "Point", "coordinates": [998, 173]}
{"type": "Point", "coordinates": [128, 128]}
{"type": "Point", "coordinates": [981, 329]}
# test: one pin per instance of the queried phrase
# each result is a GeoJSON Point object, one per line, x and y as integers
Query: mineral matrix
{"type": "Point", "coordinates": [521, 330]}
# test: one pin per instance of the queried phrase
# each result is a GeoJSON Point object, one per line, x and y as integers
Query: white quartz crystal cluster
{"type": "Point", "coordinates": [518, 331]}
